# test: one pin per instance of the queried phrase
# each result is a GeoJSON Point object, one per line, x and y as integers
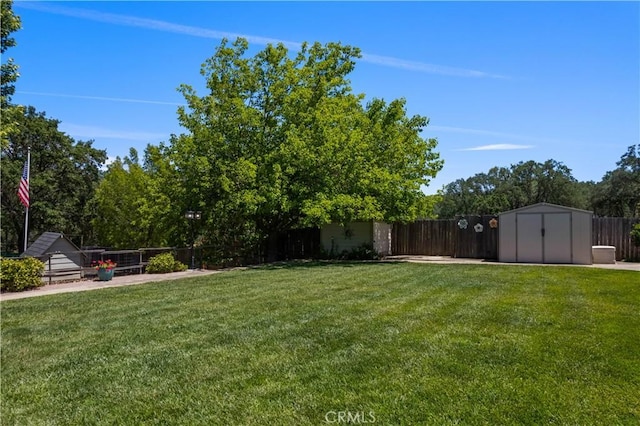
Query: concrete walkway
{"type": "Point", "coordinates": [117, 281]}
{"type": "Point", "coordinates": [626, 266]}
{"type": "Point", "coordinates": [120, 281]}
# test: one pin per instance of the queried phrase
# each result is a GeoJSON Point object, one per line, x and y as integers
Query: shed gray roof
{"type": "Point", "coordinates": [547, 204]}
{"type": "Point", "coordinates": [43, 244]}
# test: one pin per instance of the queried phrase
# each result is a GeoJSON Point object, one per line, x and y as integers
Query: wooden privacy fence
{"type": "Point", "coordinates": [298, 244]}
{"type": "Point", "coordinates": [427, 237]}
{"type": "Point", "coordinates": [444, 237]}
{"type": "Point", "coordinates": [614, 231]}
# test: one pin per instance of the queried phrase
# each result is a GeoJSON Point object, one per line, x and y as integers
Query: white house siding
{"type": "Point", "coordinates": [335, 238]}
{"type": "Point", "coordinates": [382, 238]}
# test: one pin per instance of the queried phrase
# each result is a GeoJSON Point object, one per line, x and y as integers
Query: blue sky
{"type": "Point", "coordinates": [501, 82]}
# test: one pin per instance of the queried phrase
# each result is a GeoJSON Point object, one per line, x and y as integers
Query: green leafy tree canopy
{"type": "Point", "coordinates": [519, 185]}
{"type": "Point", "coordinates": [280, 140]}
{"type": "Point", "coordinates": [618, 194]}
{"type": "Point", "coordinates": [130, 207]}
{"type": "Point", "coordinates": [9, 23]}
{"type": "Point", "coordinates": [64, 173]}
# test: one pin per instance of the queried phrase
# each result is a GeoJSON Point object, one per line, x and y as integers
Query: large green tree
{"type": "Point", "coordinates": [9, 23]}
{"type": "Point", "coordinates": [618, 194]}
{"type": "Point", "coordinates": [130, 207]}
{"type": "Point", "coordinates": [280, 140]}
{"type": "Point", "coordinates": [503, 189]}
{"type": "Point", "coordinates": [64, 173]}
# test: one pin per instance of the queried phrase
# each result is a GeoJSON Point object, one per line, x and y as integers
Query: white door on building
{"type": "Point", "coordinates": [529, 238]}
{"type": "Point", "coordinates": [557, 237]}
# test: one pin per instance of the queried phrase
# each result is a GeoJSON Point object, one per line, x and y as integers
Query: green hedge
{"type": "Point", "coordinates": [164, 263]}
{"type": "Point", "coordinates": [364, 251]}
{"type": "Point", "coordinates": [635, 234]}
{"type": "Point", "coordinates": [21, 274]}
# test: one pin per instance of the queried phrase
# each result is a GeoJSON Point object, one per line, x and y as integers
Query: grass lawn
{"type": "Point", "coordinates": [383, 343]}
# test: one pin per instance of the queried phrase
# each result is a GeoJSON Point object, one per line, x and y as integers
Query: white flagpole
{"type": "Point", "coordinates": [26, 213]}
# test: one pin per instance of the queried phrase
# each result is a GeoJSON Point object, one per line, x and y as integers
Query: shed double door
{"type": "Point", "coordinates": [543, 238]}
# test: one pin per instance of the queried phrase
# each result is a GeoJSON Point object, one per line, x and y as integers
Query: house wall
{"type": "Point", "coordinates": [382, 238]}
{"type": "Point", "coordinates": [335, 238]}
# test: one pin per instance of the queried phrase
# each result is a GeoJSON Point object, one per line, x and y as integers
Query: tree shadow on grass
{"type": "Point", "coordinates": [307, 264]}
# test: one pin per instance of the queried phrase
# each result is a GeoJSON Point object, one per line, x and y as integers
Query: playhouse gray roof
{"type": "Point", "coordinates": [43, 244]}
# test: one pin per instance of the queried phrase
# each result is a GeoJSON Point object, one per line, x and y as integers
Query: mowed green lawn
{"type": "Point", "coordinates": [383, 343]}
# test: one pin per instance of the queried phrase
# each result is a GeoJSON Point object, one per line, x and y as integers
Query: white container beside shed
{"type": "Point", "coordinates": [603, 254]}
{"type": "Point", "coordinates": [545, 233]}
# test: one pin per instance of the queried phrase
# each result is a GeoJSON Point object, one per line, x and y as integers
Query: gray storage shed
{"type": "Point", "coordinates": [545, 233]}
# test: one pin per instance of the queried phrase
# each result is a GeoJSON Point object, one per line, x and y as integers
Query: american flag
{"type": "Point", "coordinates": [23, 189]}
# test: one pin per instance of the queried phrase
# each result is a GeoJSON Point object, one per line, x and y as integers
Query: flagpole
{"type": "Point", "coordinates": [26, 213]}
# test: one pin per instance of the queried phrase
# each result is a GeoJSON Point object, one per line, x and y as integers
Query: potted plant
{"type": "Point", "coordinates": [105, 269]}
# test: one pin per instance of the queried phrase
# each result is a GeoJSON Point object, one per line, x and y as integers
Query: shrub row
{"type": "Point", "coordinates": [20, 274]}
{"type": "Point", "coordinates": [164, 263]}
{"type": "Point", "coordinates": [365, 251]}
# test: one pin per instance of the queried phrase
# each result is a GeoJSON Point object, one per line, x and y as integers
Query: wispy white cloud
{"type": "Point", "coordinates": [93, 132]}
{"type": "Point", "coordinates": [497, 147]}
{"type": "Point", "coordinates": [389, 61]}
{"type": "Point", "coordinates": [165, 26]}
{"type": "Point", "coordinates": [494, 134]}
{"type": "Point", "coordinates": [99, 98]}
{"type": "Point", "coordinates": [152, 24]}
{"type": "Point", "coordinates": [475, 132]}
